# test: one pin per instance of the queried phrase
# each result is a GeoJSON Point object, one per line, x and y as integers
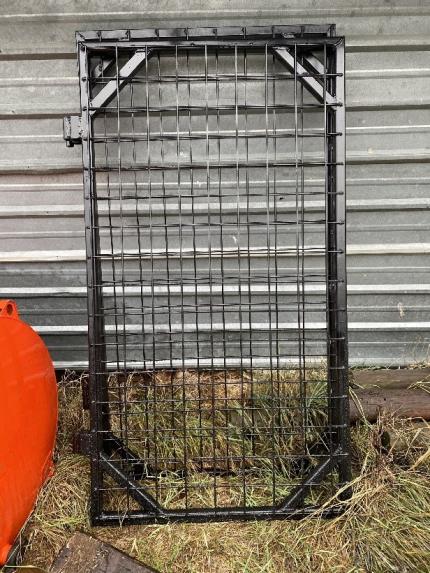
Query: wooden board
{"type": "Point", "coordinates": [403, 403]}
{"type": "Point", "coordinates": [389, 377]}
{"type": "Point", "coordinates": [85, 554]}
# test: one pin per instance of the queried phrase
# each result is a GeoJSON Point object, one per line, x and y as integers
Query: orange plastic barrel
{"type": "Point", "coordinates": [28, 421]}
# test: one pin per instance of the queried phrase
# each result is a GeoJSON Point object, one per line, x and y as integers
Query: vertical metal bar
{"type": "Point", "coordinates": [123, 376]}
{"type": "Point", "coordinates": [211, 231]}
{"type": "Point", "coordinates": [208, 180]}
{"type": "Point", "coordinates": [99, 412]}
{"type": "Point", "coordinates": [222, 270]}
{"type": "Point", "coordinates": [166, 244]}
{"type": "Point", "coordinates": [153, 403]}
{"type": "Point", "coordinates": [140, 227]}
{"type": "Point", "coordinates": [269, 277]}
{"type": "Point", "coordinates": [193, 192]}
{"type": "Point", "coordinates": [337, 360]}
{"type": "Point", "coordinates": [184, 436]}
{"type": "Point", "coordinates": [239, 274]}
{"type": "Point", "coordinates": [337, 279]}
{"type": "Point", "coordinates": [110, 223]}
{"type": "Point", "coordinates": [249, 269]}
{"type": "Point", "coordinates": [112, 258]}
{"type": "Point", "coordinates": [300, 404]}
{"type": "Point", "coordinates": [298, 249]}
{"type": "Point", "coordinates": [302, 302]}
{"type": "Point", "coordinates": [276, 230]}
{"type": "Point", "coordinates": [328, 187]}
{"type": "Point", "coordinates": [164, 192]}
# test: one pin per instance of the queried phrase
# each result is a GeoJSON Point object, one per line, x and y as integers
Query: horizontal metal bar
{"type": "Point", "coordinates": [220, 44]}
{"type": "Point", "coordinates": [205, 109]}
{"type": "Point", "coordinates": [218, 33]}
{"type": "Point", "coordinates": [203, 79]}
{"type": "Point", "coordinates": [219, 514]}
{"type": "Point", "coordinates": [217, 363]}
{"type": "Point", "coordinates": [232, 164]}
{"type": "Point", "coordinates": [210, 136]}
{"type": "Point", "coordinates": [225, 253]}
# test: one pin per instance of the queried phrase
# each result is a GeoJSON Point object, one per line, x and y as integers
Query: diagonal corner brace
{"type": "Point", "coordinates": [133, 488]}
{"type": "Point", "coordinates": [125, 74]}
{"type": "Point", "coordinates": [315, 87]}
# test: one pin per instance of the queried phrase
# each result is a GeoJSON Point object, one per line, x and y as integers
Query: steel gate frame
{"type": "Point", "coordinates": [327, 87]}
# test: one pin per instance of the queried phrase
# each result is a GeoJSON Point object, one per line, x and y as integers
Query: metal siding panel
{"type": "Point", "coordinates": [388, 125]}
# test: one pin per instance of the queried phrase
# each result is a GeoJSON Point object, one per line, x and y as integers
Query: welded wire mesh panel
{"type": "Point", "coordinates": [214, 192]}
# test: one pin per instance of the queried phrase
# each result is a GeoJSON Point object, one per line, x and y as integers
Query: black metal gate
{"type": "Point", "coordinates": [214, 180]}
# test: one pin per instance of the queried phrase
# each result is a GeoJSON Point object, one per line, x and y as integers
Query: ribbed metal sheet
{"type": "Point", "coordinates": [388, 176]}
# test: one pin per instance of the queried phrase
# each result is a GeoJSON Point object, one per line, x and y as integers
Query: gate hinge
{"type": "Point", "coordinates": [82, 443]}
{"type": "Point", "coordinates": [72, 130]}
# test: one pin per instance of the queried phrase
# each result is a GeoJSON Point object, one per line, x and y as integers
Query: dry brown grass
{"type": "Point", "coordinates": [385, 528]}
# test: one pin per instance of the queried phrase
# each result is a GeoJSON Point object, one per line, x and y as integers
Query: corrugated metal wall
{"type": "Point", "coordinates": [388, 151]}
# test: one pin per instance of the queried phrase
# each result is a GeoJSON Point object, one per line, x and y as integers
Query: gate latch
{"type": "Point", "coordinates": [72, 130]}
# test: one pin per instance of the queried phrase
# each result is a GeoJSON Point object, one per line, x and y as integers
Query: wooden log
{"type": "Point", "coordinates": [404, 403]}
{"type": "Point", "coordinates": [85, 554]}
{"type": "Point", "coordinates": [390, 378]}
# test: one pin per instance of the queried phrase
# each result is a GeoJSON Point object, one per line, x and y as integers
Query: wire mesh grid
{"type": "Point", "coordinates": [214, 193]}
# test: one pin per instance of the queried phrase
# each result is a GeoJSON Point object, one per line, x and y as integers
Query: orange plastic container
{"type": "Point", "coordinates": [28, 421]}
